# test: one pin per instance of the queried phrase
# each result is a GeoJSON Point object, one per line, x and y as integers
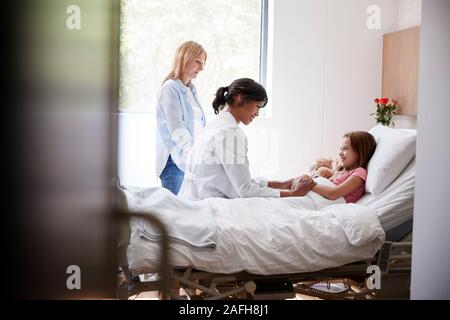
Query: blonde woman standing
{"type": "Point", "coordinates": [179, 115]}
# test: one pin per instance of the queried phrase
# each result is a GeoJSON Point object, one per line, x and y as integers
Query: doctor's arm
{"type": "Point", "coordinates": [284, 185]}
{"type": "Point", "coordinates": [234, 160]}
{"type": "Point", "coordinates": [300, 189]}
{"type": "Point", "coordinates": [239, 174]}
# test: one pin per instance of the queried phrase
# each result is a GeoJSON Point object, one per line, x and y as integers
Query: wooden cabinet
{"type": "Point", "coordinates": [401, 68]}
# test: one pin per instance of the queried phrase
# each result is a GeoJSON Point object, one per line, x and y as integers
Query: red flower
{"type": "Point", "coordinates": [384, 111]}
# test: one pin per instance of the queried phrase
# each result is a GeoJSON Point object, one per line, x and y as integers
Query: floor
{"type": "Point", "coordinates": [153, 295]}
{"type": "Point", "coordinates": [394, 287]}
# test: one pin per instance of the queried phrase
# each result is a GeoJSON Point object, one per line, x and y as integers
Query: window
{"type": "Point", "coordinates": [233, 34]}
{"type": "Point", "coordinates": [151, 30]}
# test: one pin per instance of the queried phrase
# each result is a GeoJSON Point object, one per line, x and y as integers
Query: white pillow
{"type": "Point", "coordinates": [395, 149]}
{"type": "Point", "coordinates": [360, 223]}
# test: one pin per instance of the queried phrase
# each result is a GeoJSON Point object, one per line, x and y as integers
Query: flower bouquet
{"type": "Point", "coordinates": [385, 111]}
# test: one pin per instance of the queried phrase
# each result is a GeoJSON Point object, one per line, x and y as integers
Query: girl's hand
{"type": "Point", "coordinates": [287, 185]}
{"type": "Point", "coordinates": [297, 180]}
{"type": "Point", "coordinates": [303, 187]}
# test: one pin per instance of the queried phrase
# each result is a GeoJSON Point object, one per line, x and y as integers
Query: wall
{"type": "Point", "coordinates": [409, 13]}
{"type": "Point", "coordinates": [137, 149]}
{"type": "Point", "coordinates": [431, 239]}
{"type": "Point", "coordinates": [354, 67]}
{"type": "Point", "coordinates": [326, 70]}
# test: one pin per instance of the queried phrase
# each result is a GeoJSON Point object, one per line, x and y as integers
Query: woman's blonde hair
{"type": "Point", "coordinates": [184, 53]}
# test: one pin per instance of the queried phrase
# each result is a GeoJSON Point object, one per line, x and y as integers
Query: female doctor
{"type": "Point", "coordinates": [218, 165]}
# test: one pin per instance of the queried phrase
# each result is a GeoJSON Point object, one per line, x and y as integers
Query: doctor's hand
{"type": "Point", "coordinates": [302, 187]}
{"type": "Point", "coordinates": [284, 185]}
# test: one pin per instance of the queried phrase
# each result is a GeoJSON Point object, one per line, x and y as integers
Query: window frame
{"type": "Point", "coordinates": [263, 43]}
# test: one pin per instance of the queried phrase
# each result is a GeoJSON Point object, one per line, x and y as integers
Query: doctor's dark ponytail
{"type": "Point", "coordinates": [247, 88]}
{"type": "Point", "coordinates": [220, 99]}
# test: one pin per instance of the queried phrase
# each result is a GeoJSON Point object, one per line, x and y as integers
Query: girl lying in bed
{"type": "Point", "coordinates": [349, 177]}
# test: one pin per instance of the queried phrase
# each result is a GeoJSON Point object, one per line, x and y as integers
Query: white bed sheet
{"type": "Point", "coordinates": [270, 236]}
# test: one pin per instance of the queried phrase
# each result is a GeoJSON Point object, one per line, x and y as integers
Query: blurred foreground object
{"type": "Point", "coordinates": [61, 137]}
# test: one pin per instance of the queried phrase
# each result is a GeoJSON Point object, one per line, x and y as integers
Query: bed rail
{"type": "Point", "coordinates": [395, 257]}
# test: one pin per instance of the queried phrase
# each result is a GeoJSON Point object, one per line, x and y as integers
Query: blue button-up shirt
{"type": "Point", "coordinates": [174, 123]}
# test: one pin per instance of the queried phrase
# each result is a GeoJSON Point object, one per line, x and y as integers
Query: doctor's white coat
{"type": "Point", "coordinates": [217, 165]}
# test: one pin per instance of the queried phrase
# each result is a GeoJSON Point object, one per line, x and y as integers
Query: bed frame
{"type": "Point", "coordinates": [393, 259]}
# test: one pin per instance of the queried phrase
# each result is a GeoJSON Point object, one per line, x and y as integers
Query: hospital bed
{"type": "Point", "coordinates": [234, 266]}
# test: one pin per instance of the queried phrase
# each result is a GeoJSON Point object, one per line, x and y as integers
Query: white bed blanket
{"type": "Point", "coordinates": [258, 235]}
{"type": "Point", "coordinates": [189, 223]}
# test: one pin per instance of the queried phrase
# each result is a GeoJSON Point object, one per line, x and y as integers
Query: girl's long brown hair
{"type": "Point", "coordinates": [364, 144]}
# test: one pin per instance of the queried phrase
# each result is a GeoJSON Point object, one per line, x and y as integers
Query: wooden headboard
{"type": "Point", "coordinates": [401, 68]}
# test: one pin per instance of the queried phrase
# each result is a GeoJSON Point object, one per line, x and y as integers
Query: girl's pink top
{"type": "Point", "coordinates": [358, 193]}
